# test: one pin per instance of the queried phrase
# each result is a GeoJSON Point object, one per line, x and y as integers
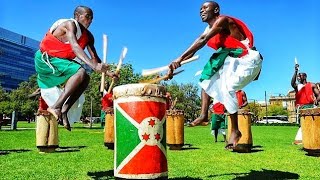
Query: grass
{"type": "Point", "coordinates": [83, 156]}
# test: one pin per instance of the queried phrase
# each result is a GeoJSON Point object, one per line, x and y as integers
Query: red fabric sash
{"type": "Point", "coordinates": [218, 108]}
{"type": "Point", "coordinates": [226, 41]}
{"type": "Point", "coordinates": [107, 101]}
{"type": "Point", "coordinates": [240, 97]}
{"type": "Point", "coordinates": [305, 95]}
{"type": "Point", "coordinates": [55, 48]}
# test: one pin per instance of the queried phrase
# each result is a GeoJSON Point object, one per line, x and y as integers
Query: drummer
{"type": "Point", "coordinates": [307, 95]}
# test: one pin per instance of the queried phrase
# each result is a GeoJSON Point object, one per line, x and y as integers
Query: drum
{"type": "Point", "coordinates": [244, 124]}
{"type": "Point", "coordinates": [140, 143]}
{"type": "Point", "coordinates": [46, 132]}
{"type": "Point", "coordinates": [175, 129]}
{"type": "Point", "coordinates": [109, 129]}
{"type": "Point", "coordinates": [310, 125]}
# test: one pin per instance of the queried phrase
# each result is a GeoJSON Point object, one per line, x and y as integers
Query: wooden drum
{"type": "Point", "coordinates": [109, 129]}
{"type": "Point", "coordinates": [244, 124]}
{"type": "Point", "coordinates": [175, 129]}
{"type": "Point", "coordinates": [310, 125]}
{"type": "Point", "coordinates": [140, 143]}
{"type": "Point", "coordinates": [46, 132]}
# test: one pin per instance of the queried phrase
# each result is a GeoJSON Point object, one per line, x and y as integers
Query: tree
{"type": "Point", "coordinates": [274, 110]}
{"type": "Point", "coordinates": [127, 76]}
{"type": "Point", "coordinates": [187, 96]}
{"type": "Point", "coordinates": [19, 100]}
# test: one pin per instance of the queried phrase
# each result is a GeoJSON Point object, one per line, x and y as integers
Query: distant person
{"type": "Point", "coordinates": [218, 121]}
{"type": "Point", "coordinates": [55, 61]}
{"type": "Point", "coordinates": [242, 98]}
{"type": "Point", "coordinates": [168, 101]}
{"type": "Point", "coordinates": [233, 66]}
{"type": "Point", "coordinates": [307, 95]}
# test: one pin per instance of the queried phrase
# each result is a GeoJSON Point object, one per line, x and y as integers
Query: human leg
{"type": "Point", "coordinates": [74, 87]}
{"type": "Point", "coordinates": [235, 134]}
{"type": "Point", "coordinates": [205, 101]}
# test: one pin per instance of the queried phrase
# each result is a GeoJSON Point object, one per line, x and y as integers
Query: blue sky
{"type": "Point", "coordinates": [156, 32]}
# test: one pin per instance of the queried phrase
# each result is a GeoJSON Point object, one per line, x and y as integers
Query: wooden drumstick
{"type": "Point", "coordinates": [147, 72]}
{"type": "Point", "coordinates": [104, 60]}
{"type": "Point", "coordinates": [122, 56]}
{"type": "Point", "coordinates": [154, 81]}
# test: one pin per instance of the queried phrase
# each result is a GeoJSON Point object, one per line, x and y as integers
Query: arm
{"type": "Point", "coordinates": [294, 78]}
{"type": "Point", "coordinates": [220, 24]}
{"type": "Point", "coordinates": [316, 93]}
{"type": "Point", "coordinates": [70, 31]}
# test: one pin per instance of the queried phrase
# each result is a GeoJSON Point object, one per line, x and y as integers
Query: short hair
{"type": "Point", "coordinates": [304, 74]}
{"type": "Point", "coordinates": [214, 4]}
{"type": "Point", "coordinates": [80, 9]}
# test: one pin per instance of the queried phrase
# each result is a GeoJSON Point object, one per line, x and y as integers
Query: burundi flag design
{"type": "Point", "coordinates": [140, 144]}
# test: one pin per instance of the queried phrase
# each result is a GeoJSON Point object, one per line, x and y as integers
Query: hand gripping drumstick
{"type": "Point", "coordinates": [153, 81]}
{"type": "Point", "coordinates": [104, 60]}
{"type": "Point", "coordinates": [147, 72]}
{"type": "Point", "coordinates": [122, 56]}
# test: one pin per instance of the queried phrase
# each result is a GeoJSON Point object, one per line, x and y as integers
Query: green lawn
{"type": "Point", "coordinates": [83, 156]}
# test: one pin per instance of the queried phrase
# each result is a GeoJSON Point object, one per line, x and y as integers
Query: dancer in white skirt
{"type": "Point", "coordinates": [234, 64]}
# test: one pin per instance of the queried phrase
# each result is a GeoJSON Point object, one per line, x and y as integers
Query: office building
{"type": "Point", "coordinates": [16, 58]}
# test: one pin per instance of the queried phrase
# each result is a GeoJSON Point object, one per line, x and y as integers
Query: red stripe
{"type": "Point", "coordinates": [139, 110]}
{"type": "Point", "coordinates": [150, 159]}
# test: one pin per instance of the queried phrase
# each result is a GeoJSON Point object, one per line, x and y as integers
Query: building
{"type": "Point", "coordinates": [287, 102]}
{"type": "Point", "coordinates": [16, 58]}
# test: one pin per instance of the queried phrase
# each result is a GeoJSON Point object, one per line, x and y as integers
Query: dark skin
{"type": "Point", "coordinates": [76, 84]}
{"type": "Point", "coordinates": [210, 14]}
{"type": "Point", "coordinates": [302, 78]}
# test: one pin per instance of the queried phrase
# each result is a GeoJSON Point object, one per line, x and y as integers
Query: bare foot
{"type": "Point", "coordinates": [55, 112]}
{"type": "Point", "coordinates": [233, 140]}
{"type": "Point", "coordinates": [198, 121]}
{"type": "Point", "coordinates": [65, 121]}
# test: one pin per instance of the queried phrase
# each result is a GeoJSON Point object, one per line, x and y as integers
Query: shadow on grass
{"type": "Point", "coordinates": [86, 127]}
{"type": "Point", "coordinates": [185, 178]}
{"type": "Point", "coordinates": [6, 152]}
{"type": "Point", "coordinates": [69, 149]}
{"type": "Point", "coordinates": [254, 149]}
{"type": "Point", "coordinates": [188, 147]}
{"type": "Point", "coordinates": [264, 174]}
{"type": "Point", "coordinates": [109, 175]}
{"type": "Point", "coordinates": [101, 174]}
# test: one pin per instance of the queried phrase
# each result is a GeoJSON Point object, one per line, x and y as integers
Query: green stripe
{"type": "Point", "coordinates": [127, 137]}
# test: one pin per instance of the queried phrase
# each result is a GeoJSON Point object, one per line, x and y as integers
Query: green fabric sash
{"type": "Point", "coordinates": [217, 60]}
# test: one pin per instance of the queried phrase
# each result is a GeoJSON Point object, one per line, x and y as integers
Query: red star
{"type": "Point", "coordinates": [157, 136]}
{"type": "Point", "coordinates": [152, 122]}
{"type": "Point", "coordinates": [146, 136]}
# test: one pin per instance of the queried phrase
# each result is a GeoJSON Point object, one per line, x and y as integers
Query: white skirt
{"type": "Point", "coordinates": [234, 75]}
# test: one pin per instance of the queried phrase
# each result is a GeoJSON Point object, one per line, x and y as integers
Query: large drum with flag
{"type": "Point", "coordinates": [140, 143]}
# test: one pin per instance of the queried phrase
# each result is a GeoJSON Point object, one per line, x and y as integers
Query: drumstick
{"type": "Point", "coordinates": [147, 72]}
{"type": "Point", "coordinates": [122, 56]}
{"type": "Point", "coordinates": [296, 61]}
{"type": "Point", "coordinates": [153, 81]}
{"type": "Point", "coordinates": [104, 60]}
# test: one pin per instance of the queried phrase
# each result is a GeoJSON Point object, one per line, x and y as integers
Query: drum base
{"type": "Point", "coordinates": [159, 178]}
{"type": "Point", "coordinates": [243, 148]}
{"type": "Point", "coordinates": [43, 150]}
{"type": "Point", "coordinates": [175, 146]}
{"type": "Point", "coordinates": [312, 152]}
{"type": "Point", "coordinates": [109, 145]}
